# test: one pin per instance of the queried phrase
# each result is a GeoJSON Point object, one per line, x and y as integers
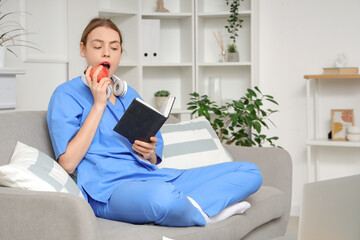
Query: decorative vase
{"type": "Point", "coordinates": [160, 6]}
{"type": "Point", "coordinates": [2, 56]}
{"type": "Point", "coordinates": [160, 101]}
{"type": "Point", "coordinates": [215, 90]}
{"type": "Point", "coordinates": [232, 56]}
{"type": "Point", "coordinates": [222, 57]}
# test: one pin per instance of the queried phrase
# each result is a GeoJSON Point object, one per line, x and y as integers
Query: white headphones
{"type": "Point", "coordinates": [119, 89]}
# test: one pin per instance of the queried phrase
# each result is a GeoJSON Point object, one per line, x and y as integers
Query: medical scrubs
{"type": "Point", "coordinates": [120, 186]}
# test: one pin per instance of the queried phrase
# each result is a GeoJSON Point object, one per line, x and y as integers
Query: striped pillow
{"type": "Point", "coordinates": [33, 170]}
{"type": "Point", "coordinates": [191, 144]}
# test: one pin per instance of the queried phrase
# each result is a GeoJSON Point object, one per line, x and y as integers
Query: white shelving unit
{"type": "Point", "coordinates": [188, 52]}
{"type": "Point", "coordinates": [236, 77]}
{"type": "Point", "coordinates": [314, 138]}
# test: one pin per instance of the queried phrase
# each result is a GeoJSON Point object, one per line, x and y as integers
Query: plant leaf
{"type": "Point", "coordinates": [257, 126]}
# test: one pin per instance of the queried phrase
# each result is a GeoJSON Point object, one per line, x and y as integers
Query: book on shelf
{"type": "Point", "coordinates": [142, 121]}
{"type": "Point", "coordinates": [340, 70]}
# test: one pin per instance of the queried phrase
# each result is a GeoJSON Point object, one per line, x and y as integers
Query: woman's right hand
{"type": "Point", "coordinates": [98, 89]}
{"type": "Point", "coordinates": [80, 144]}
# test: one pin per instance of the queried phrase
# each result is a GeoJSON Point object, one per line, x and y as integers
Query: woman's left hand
{"type": "Point", "coordinates": [147, 150]}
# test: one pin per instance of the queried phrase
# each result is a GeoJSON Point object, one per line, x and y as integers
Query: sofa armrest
{"type": "Point", "coordinates": [274, 163]}
{"type": "Point", "coordinates": [45, 215]}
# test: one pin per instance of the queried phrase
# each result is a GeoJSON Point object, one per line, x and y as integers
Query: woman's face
{"type": "Point", "coordinates": [102, 47]}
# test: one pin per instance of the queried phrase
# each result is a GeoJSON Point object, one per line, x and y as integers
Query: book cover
{"type": "Point", "coordinates": [142, 121]}
{"type": "Point", "coordinates": [340, 70]}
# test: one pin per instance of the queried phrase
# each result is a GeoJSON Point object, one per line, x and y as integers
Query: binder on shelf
{"type": "Point", "coordinates": [150, 40]}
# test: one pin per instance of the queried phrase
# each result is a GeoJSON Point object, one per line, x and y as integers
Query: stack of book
{"type": "Point", "coordinates": [340, 70]}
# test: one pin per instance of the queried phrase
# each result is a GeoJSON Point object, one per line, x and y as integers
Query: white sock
{"type": "Point", "coordinates": [237, 208]}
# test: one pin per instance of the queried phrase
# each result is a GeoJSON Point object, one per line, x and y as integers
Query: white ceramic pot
{"type": "Point", "coordinates": [232, 57]}
{"type": "Point", "coordinates": [160, 101]}
{"type": "Point", "coordinates": [353, 129]}
{"type": "Point", "coordinates": [2, 56]}
{"type": "Point", "coordinates": [353, 137]}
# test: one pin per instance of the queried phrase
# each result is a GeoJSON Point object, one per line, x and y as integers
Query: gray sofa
{"type": "Point", "coordinates": [28, 214]}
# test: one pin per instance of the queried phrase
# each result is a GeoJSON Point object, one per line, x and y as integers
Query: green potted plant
{"type": "Point", "coordinates": [160, 97]}
{"type": "Point", "coordinates": [239, 122]}
{"type": "Point", "coordinates": [10, 32]}
{"type": "Point", "coordinates": [234, 23]}
{"type": "Point", "coordinates": [232, 53]}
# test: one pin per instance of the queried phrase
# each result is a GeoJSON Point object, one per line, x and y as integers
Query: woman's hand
{"type": "Point", "coordinates": [147, 150]}
{"type": "Point", "coordinates": [98, 89]}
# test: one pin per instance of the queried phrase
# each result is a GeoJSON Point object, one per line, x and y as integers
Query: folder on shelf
{"type": "Point", "coordinates": [150, 40]}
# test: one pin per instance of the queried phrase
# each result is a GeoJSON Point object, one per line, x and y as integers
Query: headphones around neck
{"type": "Point", "coordinates": [120, 86]}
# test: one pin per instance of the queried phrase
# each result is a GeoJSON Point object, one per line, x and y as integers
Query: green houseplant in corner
{"type": "Point", "coordinates": [234, 23]}
{"type": "Point", "coordinates": [239, 122]}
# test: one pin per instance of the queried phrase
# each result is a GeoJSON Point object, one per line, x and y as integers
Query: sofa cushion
{"type": "Point", "coordinates": [267, 205]}
{"type": "Point", "coordinates": [31, 169]}
{"type": "Point", "coordinates": [191, 144]}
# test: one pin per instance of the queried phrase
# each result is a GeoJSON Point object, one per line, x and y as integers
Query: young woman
{"type": "Point", "coordinates": [119, 178]}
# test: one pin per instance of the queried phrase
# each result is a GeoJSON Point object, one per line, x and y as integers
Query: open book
{"type": "Point", "coordinates": [142, 121]}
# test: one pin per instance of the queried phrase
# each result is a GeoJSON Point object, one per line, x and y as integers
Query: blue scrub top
{"type": "Point", "coordinates": [110, 159]}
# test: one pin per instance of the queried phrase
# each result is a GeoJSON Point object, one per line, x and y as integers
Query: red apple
{"type": "Point", "coordinates": [103, 73]}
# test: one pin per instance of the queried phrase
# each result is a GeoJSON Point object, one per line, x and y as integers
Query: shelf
{"type": "Point", "coordinates": [225, 64]}
{"type": "Point", "coordinates": [223, 14]}
{"type": "Point", "coordinates": [167, 65]}
{"type": "Point", "coordinates": [331, 143]}
{"type": "Point", "coordinates": [188, 53]}
{"type": "Point", "coordinates": [180, 111]}
{"type": "Point", "coordinates": [11, 71]}
{"type": "Point", "coordinates": [112, 13]}
{"type": "Point", "coordinates": [338, 76]}
{"type": "Point", "coordinates": [165, 15]}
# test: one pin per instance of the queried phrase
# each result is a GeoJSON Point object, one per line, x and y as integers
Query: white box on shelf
{"type": "Point", "coordinates": [150, 40]}
{"type": "Point", "coordinates": [7, 92]}
{"type": "Point", "coordinates": [8, 88]}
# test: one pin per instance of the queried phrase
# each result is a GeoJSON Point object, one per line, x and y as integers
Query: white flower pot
{"type": "Point", "coordinates": [232, 57]}
{"type": "Point", "coordinates": [2, 56]}
{"type": "Point", "coordinates": [160, 101]}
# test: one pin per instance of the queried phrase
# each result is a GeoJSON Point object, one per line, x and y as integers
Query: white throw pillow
{"type": "Point", "coordinates": [31, 169]}
{"type": "Point", "coordinates": [191, 144]}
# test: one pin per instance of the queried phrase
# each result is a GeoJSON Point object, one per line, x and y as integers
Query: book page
{"type": "Point", "coordinates": [165, 109]}
{"type": "Point", "coordinates": [167, 106]}
{"type": "Point", "coordinates": [148, 105]}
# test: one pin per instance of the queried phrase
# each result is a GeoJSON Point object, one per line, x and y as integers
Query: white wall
{"type": "Point", "coordinates": [57, 26]}
{"type": "Point", "coordinates": [299, 38]}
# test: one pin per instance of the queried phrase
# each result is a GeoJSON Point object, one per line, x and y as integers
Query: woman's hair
{"type": "Point", "coordinates": [100, 22]}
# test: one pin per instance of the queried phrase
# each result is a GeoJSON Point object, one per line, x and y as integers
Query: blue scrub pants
{"type": "Point", "coordinates": [213, 187]}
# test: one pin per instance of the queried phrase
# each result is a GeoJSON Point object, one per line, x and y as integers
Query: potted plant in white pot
{"type": "Point", "coordinates": [160, 97]}
{"type": "Point", "coordinates": [234, 23]}
{"type": "Point", "coordinates": [232, 53]}
{"type": "Point", "coordinates": [10, 32]}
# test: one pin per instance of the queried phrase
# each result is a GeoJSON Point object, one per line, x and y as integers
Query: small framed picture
{"type": "Point", "coordinates": [340, 120]}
